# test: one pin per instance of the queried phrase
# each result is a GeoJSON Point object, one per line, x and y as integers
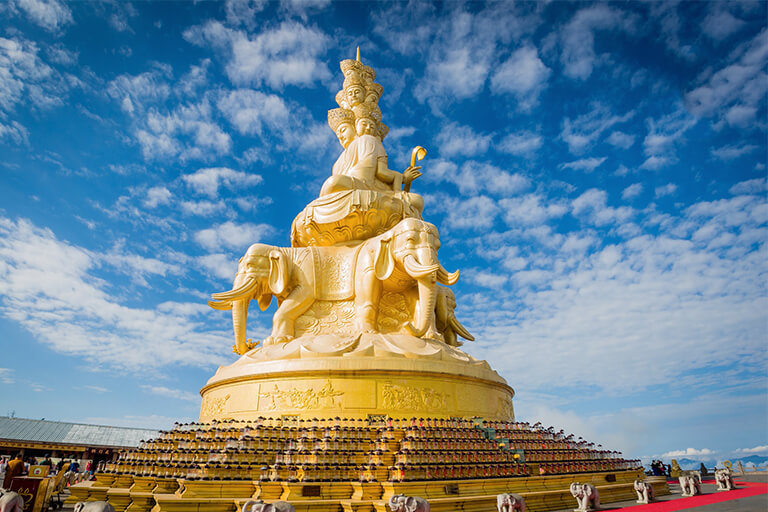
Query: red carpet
{"type": "Point", "coordinates": [743, 490]}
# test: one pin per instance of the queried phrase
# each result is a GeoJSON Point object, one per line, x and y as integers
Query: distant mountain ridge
{"type": "Point", "coordinates": [758, 460]}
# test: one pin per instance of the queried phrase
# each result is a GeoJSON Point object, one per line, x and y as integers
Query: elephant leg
{"type": "Point", "coordinates": [367, 295]}
{"type": "Point", "coordinates": [283, 323]}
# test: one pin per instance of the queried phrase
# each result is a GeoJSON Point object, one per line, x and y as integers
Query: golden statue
{"type": "Point", "coordinates": [358, 295]}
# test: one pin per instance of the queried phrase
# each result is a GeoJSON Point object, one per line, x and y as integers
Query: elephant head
{"type": "Point", "coordinates": [261, 273]}
{"type": "Point", "coordinates": [577, 491]}
{"type": "Point", "coordinates": [410, 248]}
{"type": "Point", "coordinates": [257, 506]}
{"type": "Point", "coordinates": [447, 323]}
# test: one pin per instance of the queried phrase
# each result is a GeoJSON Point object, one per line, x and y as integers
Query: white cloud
{"type": "Point", "coordinates": [460, 46]}
{"type": "Point", "coordinates": [632, 191]}
{"type": "Point", "coordinates": [720, 23]}
{"type": "Point", "coordinates": [585, 164]}
{"type": "Point", "coordinates": [289, 54]}
{"type": "Point", "coordinates": [524, 75]}
{"type": "Point", "coordinates": [665, 190]}
{"type": "Point", "coordinates": [732, 151]}
{"type": "Point", "coordinates": [476, 177]}
{"type": "Point", "coordinates": [188, 132]}
{"type": "Point", "coordinates": [14, 133]}
{"type": "Point", "coordinates": [219, 265]}
{"type": "Point", "coordinates": [585, 130]}
{"type": "Point", "coordinates": [249, 110]}
{"type": "Point", "coordinates": [530, 210]}
{"type": "Point", "coordinates": [157, 196]}
{"type": "Point", "coordinates": [243, 12]}
{"type": "Point", "coordinates": [135, 92]}
{"type": "Point", "coordinates": [578, 39]}
{"type": "Point", "coordinates": [520, 144]}
{"type": "Point", "coordinates": [208, 180]}
{"type": "Point", "coordinates": [621, 140]}
{"type": "Point", "coordinates": [455, 139]}
{"type": "Point", "coordinates": [6, 376]}
{"type": "Point", "coordinates": [203, 208]}
{"type": "Point", "coordinates": [663, 136]}
{"type": "Point", "coordinates": [755, 449]}
{"type": "Point", "coordinates": [229, 235]}
{"type": "Point", "coordinates": [755, 186]}
{"type": "Point", "coordinates": [73, 310]}
{"type": "Point", "coordinates": [49, 14]}
{"type": "Point", "coordinates": [24, 77]}
{"type": "Point", "coordinates": [475, 213]}
{"type": "Point", "coordinates": [735, 91]}
{"type": "Point", "coordinates": [172, 393]}
{"type": "Point", "coordinates": [592, 205]}
{"type": "Point", "coordinates": [689, 452]}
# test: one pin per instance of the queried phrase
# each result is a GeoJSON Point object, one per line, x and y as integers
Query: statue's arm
{"type": "Point", "coordinates": [387, 175]}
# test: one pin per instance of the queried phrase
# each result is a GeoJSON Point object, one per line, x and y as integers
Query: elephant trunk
{"type": "Point", "coordinates": [245, 287]}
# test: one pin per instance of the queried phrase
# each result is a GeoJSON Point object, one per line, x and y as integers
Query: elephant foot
{"type": "Point", "coordinates": [274, 340]}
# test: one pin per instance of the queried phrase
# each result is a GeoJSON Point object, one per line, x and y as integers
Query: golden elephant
{"type": "Point", "coordinates": [403, 259]}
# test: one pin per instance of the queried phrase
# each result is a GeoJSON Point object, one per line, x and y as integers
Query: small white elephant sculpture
{"type": "Point", "coordinates": [94, 506]}
{"type": "Point", "coordinates": [586, 495]}
{"type": "Point", "coordinates": [724, 479]}
{"type": "Point", "coordinates": [690, 485]}
{"type": "Point", "coordinates": [510, 503]}
{"type": "Point", "coordinates": [402, 503]}
{"type": "Point", "coordinates": [644, 490]}
{"type": "Point", "coordinates": [260, 506]}
{"type": "Point", "coordinates": [11, 501]}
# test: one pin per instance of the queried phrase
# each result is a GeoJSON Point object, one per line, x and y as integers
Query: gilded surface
{"type": "Point", "coordinates": [294, 398]}
{"type": "Point", "coordinates": [361, 290]}
{"type": "Point", "coordinates": [213, 407]}
{"type": "Point", "coordinates": [406, 398]}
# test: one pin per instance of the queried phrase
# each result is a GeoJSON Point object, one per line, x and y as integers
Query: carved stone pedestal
{"type": "Point", "coordinates": [388, 375]}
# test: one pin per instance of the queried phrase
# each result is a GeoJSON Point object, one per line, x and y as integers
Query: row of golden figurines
{"type": "Point", "coordinates": [375, 423]}
{"type": "Point", "coordinates": [326, 472]}
{"type": "Point", "coordinates": [323, 457]}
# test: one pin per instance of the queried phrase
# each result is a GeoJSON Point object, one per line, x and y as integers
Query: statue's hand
{"type": "Point", "coordinates": [410, 174]}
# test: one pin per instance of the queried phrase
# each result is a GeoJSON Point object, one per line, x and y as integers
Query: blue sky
{"type": "Point", "coordinates": [596, 171]}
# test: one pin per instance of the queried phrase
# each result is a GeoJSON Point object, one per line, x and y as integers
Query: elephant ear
{"type": "Point", "coordinates": [411, 504]}
{"type": "Point", "coordinates": [384, 262]}
{"type": "Point", "coordinates": [278, 273]}
{"type": "Point", "coordinates": [79, 506]}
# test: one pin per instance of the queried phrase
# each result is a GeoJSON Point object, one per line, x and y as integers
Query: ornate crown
{"type": "Point", "coordinates": [339, 116]}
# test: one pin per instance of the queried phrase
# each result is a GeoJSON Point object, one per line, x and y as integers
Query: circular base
{"type": "Point", "coordinates": [357, 385]}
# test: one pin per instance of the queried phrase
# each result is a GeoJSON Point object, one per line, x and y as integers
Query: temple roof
{"type": "Point", "coordinates": [59, 432]}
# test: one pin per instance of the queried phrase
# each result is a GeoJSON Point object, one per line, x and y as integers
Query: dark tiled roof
{"type": "Point", "coordinates": [42, 431]}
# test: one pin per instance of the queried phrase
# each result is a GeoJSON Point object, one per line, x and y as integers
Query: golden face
{"type": "Point", "coordinates": [346, 133]}
{"type": "Point", "coordinates": [366, 126]}
{"type": "Point", "coordinates": [355, 95]}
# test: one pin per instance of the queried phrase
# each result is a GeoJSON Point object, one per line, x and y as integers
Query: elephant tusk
{"type": "Point", "coordinates": [460, 329]}
{"type": "Point", "coordinates": [416, 269]}
{"type": "Point", "coordinates": [445, 277]}
{"type": "Point", "coordinates": [221, 306]}
{"type": "Point", "coordinates": [237, 293]}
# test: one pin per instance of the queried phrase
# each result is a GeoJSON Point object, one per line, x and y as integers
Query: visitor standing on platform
{"type": "Point", "coordinates": [13, 469]}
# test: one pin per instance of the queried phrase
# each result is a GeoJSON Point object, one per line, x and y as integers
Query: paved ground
{"type": "Point", "coordinates": [750, 504]}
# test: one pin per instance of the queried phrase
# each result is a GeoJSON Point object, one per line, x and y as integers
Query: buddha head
{"type": "Point", "coordinates": [354, 92]}
{"type": "Point", "coordinates": [367, 118]}
{"type": "Point", "coordinates": [342, 122]}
